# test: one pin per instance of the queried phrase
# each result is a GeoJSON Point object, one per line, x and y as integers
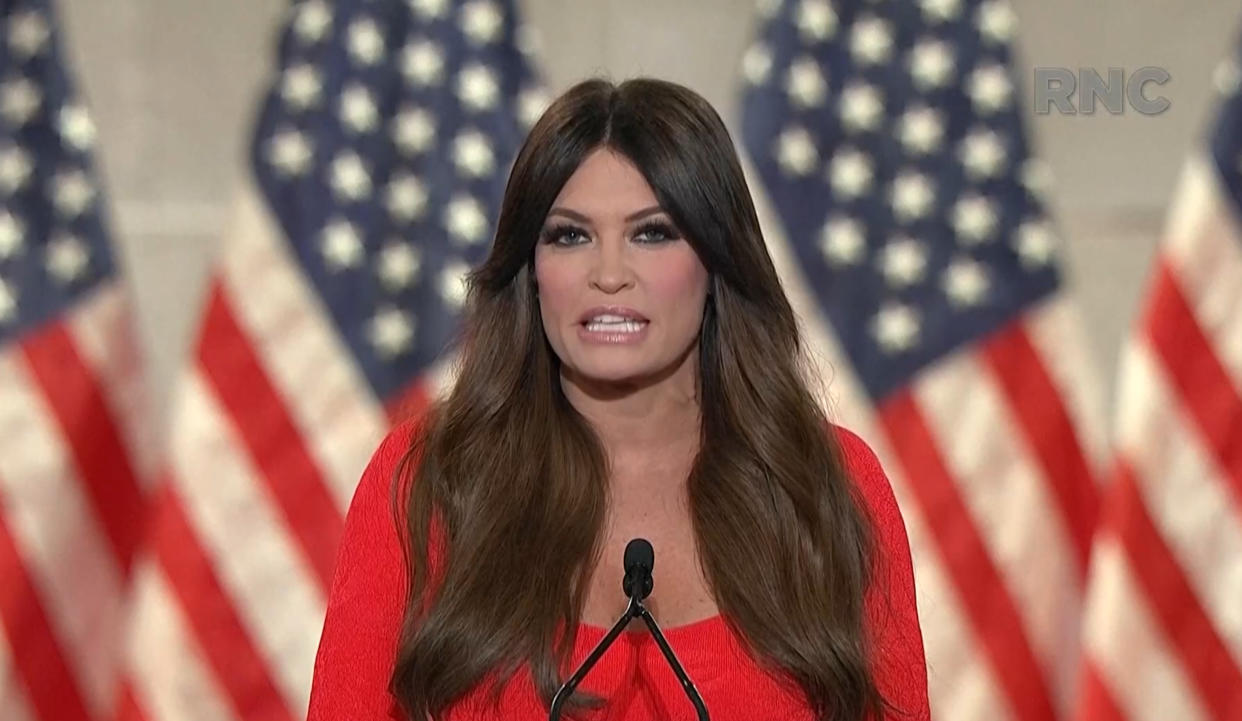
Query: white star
{"type": "Point", "coordinates": [453, 283]}
{"type": "Point", "coordinates": [1036, 176]}
{"type": "Point", "coordinates": [531, 104]}
{"type": "Point", "coordinates": [842, 241]}
{"type": "Point", "coordinates": [896, 328]}
{"type": "Point", "coordinates": [406, 198]}
{"type": "Point", "coordinates": [476, 87]}
{"type": "Point", "coordinates": [15, 169]}
{"type": "Point", "coordinates": [289, 152]}
{"type": "Point", "coordinates": [340, 245]}
{"type": "Point", "coordinates": [1227, 77]}
{"type": "Point", "coordinates": [8, 302]}
{"type": "Point", "coordinates": [850, 172]}
{"type": "Point", "coordinates": [965, 283]}
{"type": "Point", "coordinates": [921, 130]}
{"type": "Point", "coordinates": [72, 192]}
{"type": "Point", "coordinates": [1036, 244]}
{"type": "Point", "coordinates": [350, 178]}
{"type": "Point", "coordinates": [422, 63]}
{"type": "Point", "coordinates": [428, 9]}
{"type": "Point", "coordinates": [413, 130]}
{"type": "Point", "coordinates": [871, 41]}
{"type": "Point", "coordinates": [931, 64]}
{"type": "Point", "coordinates": [996, 21]}
{"type": "Point", "coordinates": [358, 111]}
{"type": "Point", "coordinates": [805, 83]}
{"type": "Point", "coordinates": [390, 331]}
{"type": "Point", "coordinates": [313, 21]}
{"type": "Point", "coordinates": [76, 127]}
{"type": "Point", "coordinates": [757, 64]}
{"type": "Point", "coordinates": [989, 88]}
{"type": "Point", "coordinates": [795, 151]}
{"type": "Point", "coordinates": [472, 154]}
{"type": "Point", "coordinates": [974, 218]}
{"type": "Point", "coordinates": [67, 258]}
{"type": "Point", "coordinates": [912, 195]}
{"type": "Point", "coordinates": [301, 86]}
{"type": "Point", "coordinates": [12, 235]}
{"type": "Point", "coordinates": [528, 40]}
{"type": "Point", "coordinates": [940, 10]}
{"type": "Point", "coordinates": [20, 99]}
{"type": "Point", "coordinates": [982, 153]}
{"type": "Point", "coordinates": [366, 43]}
{"type": "Point", "coordinates": [903, 262]}
{"type": "Point", "coordinates": [861, 107]}
{"type": "Point", "coordinates": [465, 220]}
{"type": "Point", "coordinates": [816, 20]}
{"type": "Point", "coordinates": [399, 263]}
{"type": "Point", "coordinates": [481, 21]}
{"type": "Point", "coordinates": [28, 33]}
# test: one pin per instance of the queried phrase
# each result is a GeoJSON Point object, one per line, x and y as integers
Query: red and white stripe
{"type": "Point", "coordinates": [71, 504]}
{"type": "Point", "coordinates": [16, 706]}
{"type": "Point", "coordinates": [272, 428]}
{"type": "Point", "coordinates": [1169, 559]}
{"type": "Point", "coordinates": [300, 352]}
{"type": "Point", "coordinates": [184, 689]}
{"type": "Point", "coordinates": [994, 456]}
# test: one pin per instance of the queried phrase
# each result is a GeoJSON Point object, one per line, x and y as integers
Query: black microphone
{"type": "Point", "coordinates": [638, 563]}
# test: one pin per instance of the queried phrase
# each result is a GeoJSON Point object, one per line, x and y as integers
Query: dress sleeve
{"type": "Point", "coordinates": [898, 661]}
{"type": "Point", "coordinates": [365, 604]}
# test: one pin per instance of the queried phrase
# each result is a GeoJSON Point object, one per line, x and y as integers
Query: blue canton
{"type": "Point", "coordinates": [383, 150]}
{"type": "Point", "coordinates": [889, 137]}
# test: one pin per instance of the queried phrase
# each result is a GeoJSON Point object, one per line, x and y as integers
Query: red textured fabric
{"type": "Point", "coordinates": [364, 612]}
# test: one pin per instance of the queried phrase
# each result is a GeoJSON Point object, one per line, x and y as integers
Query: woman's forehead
{"type": "Point", "coordinates": [606, 184]}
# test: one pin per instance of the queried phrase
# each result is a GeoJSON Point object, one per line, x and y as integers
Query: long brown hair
{"type": "Point", "coordinates": [510, 472]}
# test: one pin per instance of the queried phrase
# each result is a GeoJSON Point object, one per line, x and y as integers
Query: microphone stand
{"type": "Point", "coordinates": [634, 609]}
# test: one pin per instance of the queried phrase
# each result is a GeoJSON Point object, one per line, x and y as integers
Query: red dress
{"type": "Point", "coordinates": [356, 649]}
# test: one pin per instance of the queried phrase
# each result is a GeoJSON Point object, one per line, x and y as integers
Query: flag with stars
{"type": "Point", "coordinates": [1163, 627]}
{"type": "Point", "coordinates": [376, 170]}
{"type": "Point", "coordinates": [72, 444]}
{"type": "Point", "coordinates": [904, 210]}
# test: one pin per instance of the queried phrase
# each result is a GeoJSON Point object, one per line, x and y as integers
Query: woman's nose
{"type": "Point", "coordinates": [611, 271]}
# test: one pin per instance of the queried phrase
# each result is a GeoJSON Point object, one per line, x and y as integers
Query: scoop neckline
{"type": "Point", "coordinates": [685, 629]}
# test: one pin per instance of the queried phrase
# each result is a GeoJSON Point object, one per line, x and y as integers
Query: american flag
{"type": "Point", "coordinates": [377, 164]}
{"type": "Point", "coordinates": [72, 442]}
{"type": "Point", "coordinates": [907, 219]}
{"type": "Point", "coordinates": [1163, 630]}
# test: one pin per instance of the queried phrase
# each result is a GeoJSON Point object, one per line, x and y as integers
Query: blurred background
{"type": "Point", "coordinates": [231, 240]}
{"type": "Point", "coordinates": [174, 88]}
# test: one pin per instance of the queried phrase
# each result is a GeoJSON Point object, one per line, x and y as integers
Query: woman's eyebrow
{"type": "Point", "coordinates": [572, 215]}
{"type": "Point", "coordinates": [643, 213]}
{"type": "Point", "coordinates": [575, 215]}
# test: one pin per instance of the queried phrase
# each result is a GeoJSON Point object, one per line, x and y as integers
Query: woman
{"type": "Point", "coordinates": [629, 367]}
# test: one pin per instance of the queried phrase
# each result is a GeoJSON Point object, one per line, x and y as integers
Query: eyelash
{"type": "Point", "coordinates": [554, 234]}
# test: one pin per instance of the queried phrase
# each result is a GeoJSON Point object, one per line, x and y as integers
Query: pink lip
{"type": "Point", "coordinates": [620, 310]}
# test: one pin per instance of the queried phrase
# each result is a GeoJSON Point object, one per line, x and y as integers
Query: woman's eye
{"type": "Point", "coordinates": [655, 234]}
{"type": "Point", "coordinates": [563, 235]}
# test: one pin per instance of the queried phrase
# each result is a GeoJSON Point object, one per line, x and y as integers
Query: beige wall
{"type": "Point", "coordinates": [174, 84]}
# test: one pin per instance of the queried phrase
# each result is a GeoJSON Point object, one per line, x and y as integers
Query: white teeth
{"type": "Point", "coordinates": [611, 319]}
{"type": "Point", "coordinates": [625, 326]}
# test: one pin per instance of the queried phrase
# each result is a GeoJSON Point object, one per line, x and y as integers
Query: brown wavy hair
{"type": "Point", "coordinates": [516, 479]}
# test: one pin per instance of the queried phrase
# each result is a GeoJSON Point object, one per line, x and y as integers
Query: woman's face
{"type": "Point", "coordinates": [621, 292]}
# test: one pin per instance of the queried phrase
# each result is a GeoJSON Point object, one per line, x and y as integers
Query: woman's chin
{"type": "Point", "coordinates": [597, 375]}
